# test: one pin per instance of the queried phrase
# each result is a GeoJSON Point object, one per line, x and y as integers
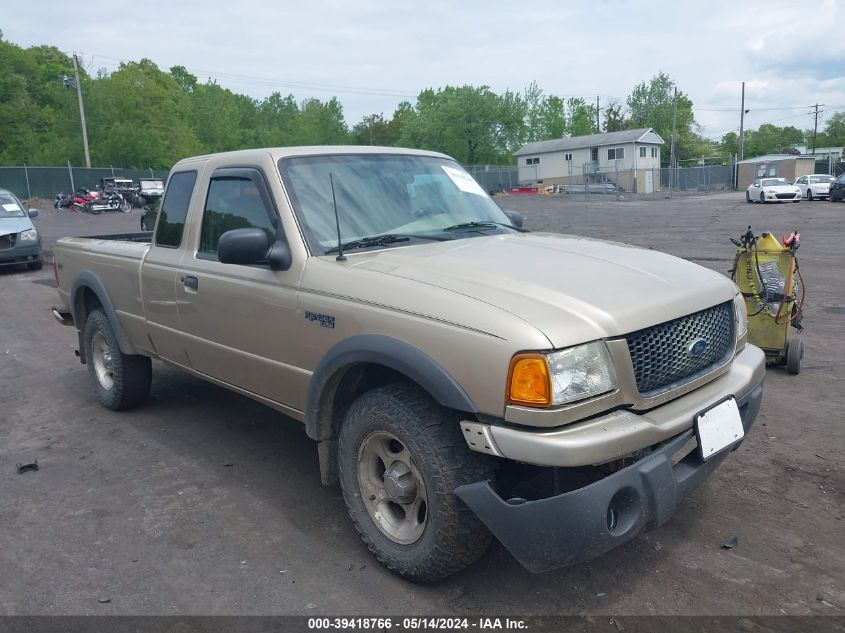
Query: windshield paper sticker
{"type": "Point", "coordinates": [463, 180]}
{"type": "Point", "coordinates": [11, 207]}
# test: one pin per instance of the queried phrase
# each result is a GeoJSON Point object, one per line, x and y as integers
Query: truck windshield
{"type": "Point", "coordinates": [380, 194]}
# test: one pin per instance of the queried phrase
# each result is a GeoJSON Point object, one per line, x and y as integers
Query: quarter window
{"type": "Point", "coordinates": [174, 209]}
{"type": "Point", "coordinates": [232, 203]}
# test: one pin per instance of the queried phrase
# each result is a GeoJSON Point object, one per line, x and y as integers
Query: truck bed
{"type": "Point", "coordinates": [144, 237]}
{"type": "Point", "coordinates": [115, 260]}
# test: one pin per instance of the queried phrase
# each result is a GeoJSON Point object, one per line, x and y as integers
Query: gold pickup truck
{"type": "Point", "coordinates": [462, 377]}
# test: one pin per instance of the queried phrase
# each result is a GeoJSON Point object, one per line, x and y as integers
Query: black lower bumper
{"type": "Point", "coordinates": [20, 255]}
{"type": "Point", "coordinates": [582, 524]}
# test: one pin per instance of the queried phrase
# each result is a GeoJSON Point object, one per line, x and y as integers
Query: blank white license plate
{"type": "Point", "coordinates": [718, 427]}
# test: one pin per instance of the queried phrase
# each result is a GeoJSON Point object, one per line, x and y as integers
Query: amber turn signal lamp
{"type": "Point", "coordinates": [528, 381]}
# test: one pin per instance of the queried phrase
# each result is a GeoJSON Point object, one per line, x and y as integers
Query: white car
{"type": "Point", "coordinates": [772, 190]}
{"type": "Point", "coordinates": [814, 185]}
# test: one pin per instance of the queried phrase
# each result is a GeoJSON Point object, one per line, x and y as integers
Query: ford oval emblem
{"type": "Point", "coordinates": [698, 347]}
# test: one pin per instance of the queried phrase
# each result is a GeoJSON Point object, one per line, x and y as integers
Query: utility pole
{"type": "Point", "coordinates": [598, 116]}
{"type": "Point", "coordinates": [672, 153]}
{"type": "Point", "coordinates": [81, 112]}
{"type": "Point", "coordinates": [815, 125]}
{"type": "Point", "coordinates": [742, 125]}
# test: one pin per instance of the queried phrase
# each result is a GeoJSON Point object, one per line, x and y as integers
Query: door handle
{"type": "Point", "coordinates": [191, 282]}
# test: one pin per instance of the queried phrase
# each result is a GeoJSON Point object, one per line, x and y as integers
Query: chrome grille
{"type": "Point", "coordinates": [661, 354]}
{"type": "Point", "coordinates": [7, 241]}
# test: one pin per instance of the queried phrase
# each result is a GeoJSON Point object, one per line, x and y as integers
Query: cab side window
{"type": "Point", "coordinates": [174, 209]}
{"type": "Point", "coordinates": [232, 203]}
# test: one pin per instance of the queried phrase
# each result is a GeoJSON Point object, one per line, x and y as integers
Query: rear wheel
{"type": "Point", "coordinates": [36, 265]}
{"type": "Point", "coordinates": [809, 194]}
{"type": "Point", "coordinates": [400, 458]}
{"type": "Point", "coordinates": [794, 354]}
{"type": "Point", "coordinates": [122, 381]}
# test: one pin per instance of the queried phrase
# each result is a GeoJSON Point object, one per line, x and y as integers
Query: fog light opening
{"type": "Point", "coordinates": [612, 519]}
{"type": "Point", "coordinates": [623, 511]}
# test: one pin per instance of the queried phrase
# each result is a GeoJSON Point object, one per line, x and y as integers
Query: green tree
{"type": "Point", "coordinates": [614, 117]}
{"type": "Point", "coordinates": [460, 121]}
{"type": "Point", "coordinates": [771, 139]}
{"type": "Point", "coordinates": [650, 105]}
{"type": "Point", "coordinates": [139, 117]}
{"type": "Point", "coordinates": [833, 134]}
{"type": "Point", "coordinates": [582, 117]}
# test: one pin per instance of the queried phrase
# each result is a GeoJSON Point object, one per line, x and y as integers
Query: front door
{"type": "Point", "coordinates": [238, 320]}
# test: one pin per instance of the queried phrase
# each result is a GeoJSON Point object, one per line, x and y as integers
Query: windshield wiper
{"type": "Point", "coordinates": [381, 240]}
{"type": "Point", "coordinates": [483, 224]}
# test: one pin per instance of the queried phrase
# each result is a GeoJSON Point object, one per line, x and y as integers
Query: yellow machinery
{"type": "Point", "coordinates": [767, 274]}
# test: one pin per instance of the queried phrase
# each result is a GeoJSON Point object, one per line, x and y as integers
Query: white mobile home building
{"type": "Point", "coordinates": [632, 154]}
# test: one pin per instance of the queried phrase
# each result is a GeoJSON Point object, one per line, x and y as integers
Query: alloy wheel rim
{"type": "Point", "coordinates": [392, 488]}
{"type": "Point", "coordinates": [103, 362]}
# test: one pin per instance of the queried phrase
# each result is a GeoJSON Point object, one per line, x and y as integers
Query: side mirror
{"type": "Point", "coordinates": [33, 213]}
{"type": "Point", "coordinates": [280, 257]}
{"type": "Point", "coordinates": [243, 246]}
{"type": "Point", "coordinates": [515, 218]}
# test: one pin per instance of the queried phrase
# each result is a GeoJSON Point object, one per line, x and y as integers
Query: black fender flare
{"type": "Point", "coordinates": [389, 352]}
{"type": "Point", "coordinates": [86, 279]}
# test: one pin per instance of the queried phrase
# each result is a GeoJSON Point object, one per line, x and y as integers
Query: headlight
{"type": "Point", "coordinates": [741, 312]}
{"type": "Point", "coordinates": [31, 234]}
{"type": "Point", "coordinates": [562, 377]}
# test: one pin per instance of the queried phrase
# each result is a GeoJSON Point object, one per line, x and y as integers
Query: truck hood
{"type": "Point", "coordinates": [572, 289]}
{"type": "Point", "coordinates": [14, 225]}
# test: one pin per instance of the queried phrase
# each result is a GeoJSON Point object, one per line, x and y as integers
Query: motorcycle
{"type": "Point", "coordinates": [109, 201]}
{"type": "Point", "coordinates": [82, 198]}
{"type": "Point", "coordinates": [63, 201]}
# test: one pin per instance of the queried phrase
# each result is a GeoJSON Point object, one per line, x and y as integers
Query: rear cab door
{"type": "Point", "coordinates": [239, 321]}
{"type": "Point", "coordinates": [160, 269]}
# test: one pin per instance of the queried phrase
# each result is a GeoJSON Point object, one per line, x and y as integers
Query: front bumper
{"type": "Point", "coordinates": [607, 437]}
{"type": "Point", "coordinates": [582, 524]}
{"type": "Point", "coordinates": [20, 254]}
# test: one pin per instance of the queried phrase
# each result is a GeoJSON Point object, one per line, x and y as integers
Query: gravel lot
{"type": "Point", "coordinates": [204, 502]}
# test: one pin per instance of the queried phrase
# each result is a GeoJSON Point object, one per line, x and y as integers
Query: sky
{"type": "Point", "coordinates": [374, 54]}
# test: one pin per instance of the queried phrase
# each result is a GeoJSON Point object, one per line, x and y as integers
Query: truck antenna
{"type": "Point", "coordinates": [340, 257]}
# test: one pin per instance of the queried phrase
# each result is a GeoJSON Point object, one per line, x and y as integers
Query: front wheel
{"type": "Point", "coordinates": [122, 381]}
{"type": "Point", "coordinates": [400, 458]}
{"type": "Point", "coordinates": [125, 206]}
{"type": "Point", "coordinates": [748, 197]}
{"type": "Point", "coordinates": [809, 195]}
{"type": "Point", "coordinates": [762, 198]}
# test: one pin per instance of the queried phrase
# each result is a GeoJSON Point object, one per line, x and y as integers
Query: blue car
{"type": "Point", "coordinates": [20, 243]}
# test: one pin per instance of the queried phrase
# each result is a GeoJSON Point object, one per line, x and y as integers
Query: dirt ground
{"type": "Point", "coordinates": [204, 502]}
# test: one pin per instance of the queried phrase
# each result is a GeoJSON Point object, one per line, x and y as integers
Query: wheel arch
{"type": "Point", "coordinates": [88, 293]}
{"type": "Point", "coordinates": [359, 364]}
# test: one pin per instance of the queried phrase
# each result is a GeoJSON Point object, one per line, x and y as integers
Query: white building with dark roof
{"type": "Point", "coordinates": [634, 154]}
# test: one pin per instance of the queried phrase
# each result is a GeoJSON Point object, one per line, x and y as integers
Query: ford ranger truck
{"type": "Point", "coordinates": [462, 377]}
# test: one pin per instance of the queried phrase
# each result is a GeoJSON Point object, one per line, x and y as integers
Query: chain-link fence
{"type": "Point", "coordinates": [583, 181]}
{"type": "Point", "coordinates": [494, 178]}
{"type": "Point", "coordinates": [45, 182]}
{"type": "Point", "coordinates": [829, 165]}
